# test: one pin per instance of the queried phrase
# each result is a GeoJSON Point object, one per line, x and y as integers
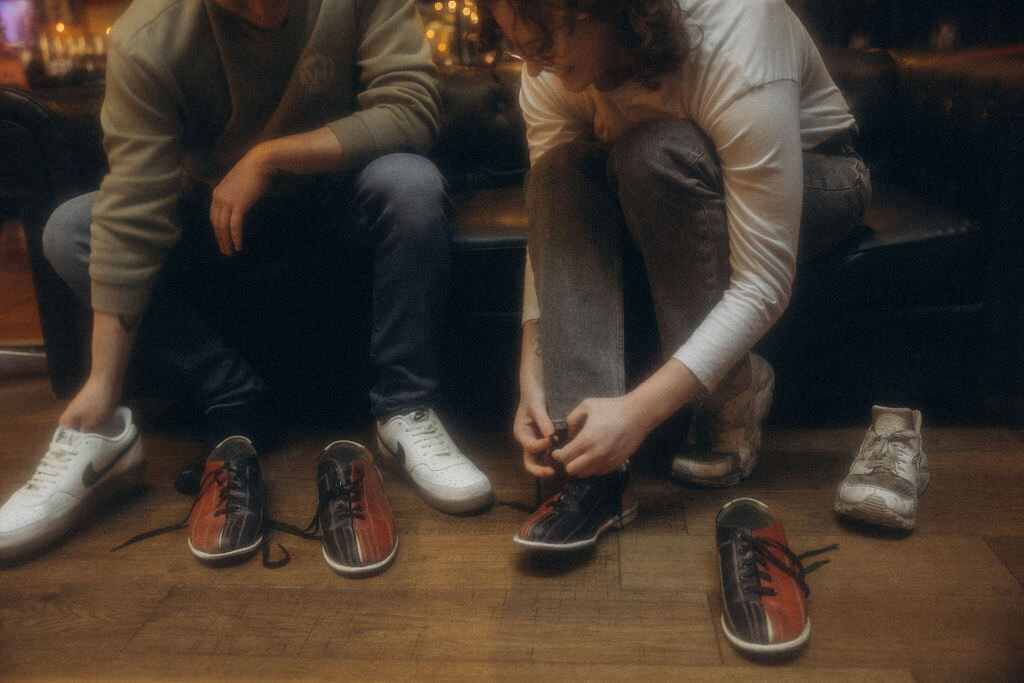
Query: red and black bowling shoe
{"type": "Point", "coordinates": [764, 594]}
{"type": "Point", "coordinates": [359, 536]}
{"type": "Point", "coordinates": [579, 513]}
{"type": "Point", "coordinates": [227, 518]}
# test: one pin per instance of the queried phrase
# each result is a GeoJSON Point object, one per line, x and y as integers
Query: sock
{"type": "Point", "coordinates": [240, 419]}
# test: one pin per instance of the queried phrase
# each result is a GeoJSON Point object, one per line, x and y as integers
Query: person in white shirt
{"type": "Point", "coordinates": [708, 136]}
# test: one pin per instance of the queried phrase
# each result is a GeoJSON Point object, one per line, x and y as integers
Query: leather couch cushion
{"type": "Point", "coordinates": [916, 253]}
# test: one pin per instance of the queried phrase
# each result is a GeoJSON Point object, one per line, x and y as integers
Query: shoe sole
{"type": "Point", "coordinates": [874, 511]}
{"type": "Point", "coordinates": [469, 506]}
{"type": "Point", "coordinates": [769, 649]}
{"type": "Point", "coordinates": [617, 522]}
{"type": "Point", "coordinates": [237, 553]}
{"type": "Point", "coordinates": [100, 493]}
{"type": "Point", "coordinates": [361, 571]}
{"type": "Point", "coordinates": [730, 479]}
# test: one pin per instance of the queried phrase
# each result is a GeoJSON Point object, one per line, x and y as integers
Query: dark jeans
{"type": "Point", "coordinates": [396, 207]}
{"type": "Point", "coordinates": [659, 191]}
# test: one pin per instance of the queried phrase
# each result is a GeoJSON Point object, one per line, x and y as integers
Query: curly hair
{"type": "Point", "coordinates": [650, 30]}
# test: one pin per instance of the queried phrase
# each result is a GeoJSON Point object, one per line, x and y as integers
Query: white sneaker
{"type": "Point", "coordinates": [439, 471]}
{"type": "Point", "coordinates": [728, 435]}
{"type": "Point", "coordinates": [77, 469]}
{"type": "Point", "coordinates": [889, 472]}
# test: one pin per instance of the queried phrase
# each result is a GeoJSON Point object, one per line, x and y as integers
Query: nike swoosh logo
{"type": "Point", "coordinates": [90, 476]}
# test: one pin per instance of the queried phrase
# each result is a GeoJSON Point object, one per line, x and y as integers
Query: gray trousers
{"type": "Point", "coordinates": [659, 189]}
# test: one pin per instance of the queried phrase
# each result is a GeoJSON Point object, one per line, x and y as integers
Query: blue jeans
{"type": "Point", "coordinates": [396, 205]}
{"type": "Point", "coordinates": [657, 191]}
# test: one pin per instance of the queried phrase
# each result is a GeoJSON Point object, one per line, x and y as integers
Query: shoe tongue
{"type": "Point", "coordinates": [65, 436]}
{"type": "Point", "coordinates": [889, 422]}
{"type": "Point", "coordinates": [419, 416]}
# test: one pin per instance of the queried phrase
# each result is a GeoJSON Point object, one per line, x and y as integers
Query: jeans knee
{"type": "Point", "coordinates": [560, 163]}
{"type": "Point", "coordinates": [406, 186]}
{"type": "Point", "coordinates": [65, 241]}
{"type": "Point", "coordinates": [661, 151]}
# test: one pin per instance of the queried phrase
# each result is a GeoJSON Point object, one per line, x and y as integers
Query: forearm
{"type": "Point", "coordinates": [113, 337]}
{"type": "Point", "coordinates": [662, 394]}
{"type": "Point", "coordinates": [530, 355]}
{"type": "Point", "coordinates": [317, 151]}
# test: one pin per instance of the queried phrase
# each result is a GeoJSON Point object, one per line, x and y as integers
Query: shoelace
{"type": "Point", "coordinates": [882, 456]}
{"type": "Point", "coordinates": [348, 492]}
{"type": "Point", "coordinates": [426, 434]}
{"type": "Point", "coordinates": [233, 495]}
{"type": "Point", "coordinates": [57, 459]}
{"type": "Point", "coordinates": [570, 493]}
{"type": "Point", "coordinates": [758, 552]}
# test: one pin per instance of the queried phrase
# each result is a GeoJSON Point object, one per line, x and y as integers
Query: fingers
{"type": "Point", "coordinates": [535, 468]}
{"type": "Point", "coordinates": [235, 221]}
{"type": "Point", "coordinates": [577, 418]}
{"type": "Point", "coordinates": [578, 438]}
{"type": "Point", "coordinates": [220, 219]}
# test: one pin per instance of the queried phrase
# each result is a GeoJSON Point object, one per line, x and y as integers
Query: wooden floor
{"type": "Point", "coordinates": [462, 602]}
{"type": "Point", "coordinates": [19, 319]}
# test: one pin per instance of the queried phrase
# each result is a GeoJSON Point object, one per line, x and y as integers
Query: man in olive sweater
{"type": "Point", "coordinates": [235, 125]}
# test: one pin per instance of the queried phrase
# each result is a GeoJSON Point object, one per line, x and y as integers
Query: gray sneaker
{"type": "Point", "coordinates": [889, 472]}
{"type": "Point", "coordinates": [723, 445]}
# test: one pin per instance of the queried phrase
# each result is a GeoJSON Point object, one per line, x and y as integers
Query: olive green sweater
{"type": "Point", "coordinates": [190, 88]}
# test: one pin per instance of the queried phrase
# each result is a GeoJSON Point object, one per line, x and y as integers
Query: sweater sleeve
{"type": "Point", "coordinates": [399, 101]}
{"type": "Point", "coordinates": [134, 223]}
{"type": "Point", "coordinates": [757, 137]}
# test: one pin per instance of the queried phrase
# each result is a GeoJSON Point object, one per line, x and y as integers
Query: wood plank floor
{"type": "Point", "coordinates": [19, 318]}
{"type": "Point", "coordinates": [462, 603]}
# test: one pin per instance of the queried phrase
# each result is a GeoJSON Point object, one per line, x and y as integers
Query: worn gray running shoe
{"type": "Point", "coordinates": [723, 446]}
{"type": "Point", "coordinates": [889, 473]}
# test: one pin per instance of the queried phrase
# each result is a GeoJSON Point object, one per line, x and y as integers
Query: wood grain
{"type": "Point", "coordinates": [461, 602]}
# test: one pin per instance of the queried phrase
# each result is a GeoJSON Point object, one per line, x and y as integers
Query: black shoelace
{"type": "Point", "coordinates": [234, 495]}
{"type": "Point", "coordinates": [347, 492]}
{"type": "Point", "coordinates": [759, 552]}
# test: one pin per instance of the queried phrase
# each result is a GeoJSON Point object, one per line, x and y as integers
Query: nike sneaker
{"type": "Point", "coordinates": [442, 475]}
{"type": "Point", "coordinates": [78, 470]}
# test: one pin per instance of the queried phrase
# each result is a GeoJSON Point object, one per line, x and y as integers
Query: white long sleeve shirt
{"type": "Point", "coordinates": [755, 84]}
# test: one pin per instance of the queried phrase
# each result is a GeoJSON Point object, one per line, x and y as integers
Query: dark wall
{"type": "Point", "coordinates": [913, 23]}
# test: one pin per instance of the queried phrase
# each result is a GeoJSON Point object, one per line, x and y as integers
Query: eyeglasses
{"type": "Point", "coordinates": [545, 59]}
